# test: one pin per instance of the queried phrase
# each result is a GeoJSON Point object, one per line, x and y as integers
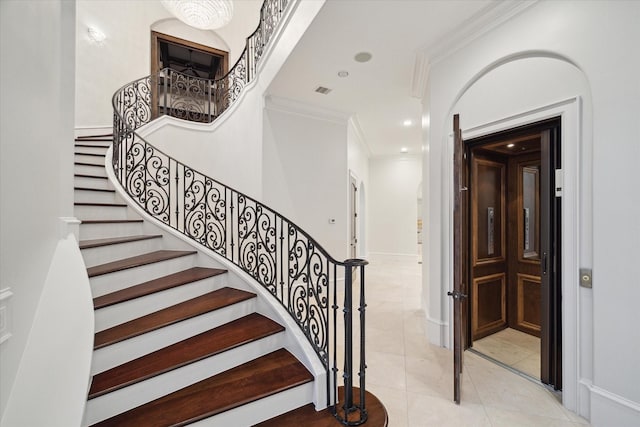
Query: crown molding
{"type": "Point", "coordinates": [471, 29]}
{"type": "Point", "coordinates": [421, 68]}
{"type": "Point", "coordinates": [355, 123]}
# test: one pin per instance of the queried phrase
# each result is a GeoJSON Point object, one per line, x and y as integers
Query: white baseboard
{"type": "Point", "coordinates": [437, 332]}
{"type": "Point", "coordinates": [610, 409]}
{"type": "Point", "coordinates": [392, 257]}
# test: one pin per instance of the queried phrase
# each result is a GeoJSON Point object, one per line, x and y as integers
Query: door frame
{"type": "Point", "coordinates": [550, 262]}
{"type": "Point", "coordinates": [354, 214]}
{"type": "Point", "coordinates": [576, 237]}
{"type": "Point", "coordinates": [157, 37]}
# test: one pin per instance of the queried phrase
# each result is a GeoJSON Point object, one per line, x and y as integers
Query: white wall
{"type": "Point", "coordinates": [125, 54]}
{"type": "Point", "coordinates": [236, 33]}
{"type": "Point", "coordinates": [305, 174]}
{"type": "Point", "coordinates": [36, 189]}
{"type": "Point", "coordinates": [358, 154]}
{"type": "Point", "coordinates": [227, 150]}
{"type": "Point", "coordinates": [393, 205]}
{"type": "Point", "coordinates": [602, 68]}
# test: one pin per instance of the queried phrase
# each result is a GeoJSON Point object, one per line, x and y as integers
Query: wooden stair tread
{"type": "Point", "coordinates": [92, 145]}
{"type": "Point", "coordinates": [88, 164]}
{"type": "Point", "coordinates": [109, 221]}
{"type": "Point", "coordinates": [156, 285]}
{"type": "Point", "coordinates": [89, 154]}
{"type": "Point", "coordinates": [94, 243]}
{"type": "Point", "coordinates": [84, 175]}
{"type": "Point", "coordinates": [136, 261]}
{"type": "Point", "coordinates": [103, 190]}
{"type": "Point", "coordinates": [307, 415]}
{"type": "Point", "coordinates": [118, 205]}
{"type": "Point", "coordinates": [215, 341]}
{"type": "Point", "coordinates": [264, 376]}
{"type": "Point", "coordinates": [185, 310]}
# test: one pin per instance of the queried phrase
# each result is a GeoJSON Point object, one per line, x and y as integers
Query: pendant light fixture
{"type": "Point", "coordinates": [202, 14]}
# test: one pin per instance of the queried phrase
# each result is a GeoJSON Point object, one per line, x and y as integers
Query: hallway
{"type": "Point", "coordinates": [414, 379]}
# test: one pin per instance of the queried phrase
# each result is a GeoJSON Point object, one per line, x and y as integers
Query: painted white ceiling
{"type": "Point", "coordinates": [379, 92]}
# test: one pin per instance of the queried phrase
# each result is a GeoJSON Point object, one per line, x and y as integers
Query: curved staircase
{"type": "Point", "coordinates": [175, 343]}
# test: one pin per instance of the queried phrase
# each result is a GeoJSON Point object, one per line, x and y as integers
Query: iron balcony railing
{"type": "Point", "coordinates": [271, 249]}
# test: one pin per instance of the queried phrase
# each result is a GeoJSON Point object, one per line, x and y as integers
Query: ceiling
{"type": "Point", "coordinates": [378, 92]}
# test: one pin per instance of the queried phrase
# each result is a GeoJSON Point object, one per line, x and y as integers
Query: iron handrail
{"type": "Point", "coordinates": [283, 258]}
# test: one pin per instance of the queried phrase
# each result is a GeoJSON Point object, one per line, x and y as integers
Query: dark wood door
{"type": "Point", "coordinates": [551, 264]}
{"type": "Point", "coordinates": [524, 197]}
{"type": "Point", "coordinates": [488, 244]}
{"type": "Point", "coordinates": [460, 257]}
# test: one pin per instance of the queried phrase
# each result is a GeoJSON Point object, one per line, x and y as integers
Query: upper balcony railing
{"type": "Point", "coordinates": [196, 99]}
{"type": "Point", "coordinates": [271, 249]}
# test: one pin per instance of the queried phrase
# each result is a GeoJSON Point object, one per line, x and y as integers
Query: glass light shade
{"type": "Point", "coordinates": [202, 14]}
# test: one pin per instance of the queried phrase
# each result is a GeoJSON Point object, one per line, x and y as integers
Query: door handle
{"type": "Point", "coordinates": [544, 263]}
{"type": "Point", "coordinates": [456, 295]}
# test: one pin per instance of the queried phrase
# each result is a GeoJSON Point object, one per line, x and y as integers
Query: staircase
{"type": "Point", "coordinates": [175, 342]}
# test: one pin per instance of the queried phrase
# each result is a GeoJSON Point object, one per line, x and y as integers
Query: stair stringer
{"type": "Point", "coordinates": [294, 341]}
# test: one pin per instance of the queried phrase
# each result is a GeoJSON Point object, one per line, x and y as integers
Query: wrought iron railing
{"type": "Point", "coordinates": [196, 99]}
{"type": "Point", "coordinates": [271, 249]}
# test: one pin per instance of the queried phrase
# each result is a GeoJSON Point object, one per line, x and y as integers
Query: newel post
{"type": "Point", "coordinates": [349, 412]}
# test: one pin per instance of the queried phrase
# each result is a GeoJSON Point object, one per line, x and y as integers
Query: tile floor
{"type": "Point", "coordinates": [414, 379]}
{"type": "Point", "coordinates": [513, 348]}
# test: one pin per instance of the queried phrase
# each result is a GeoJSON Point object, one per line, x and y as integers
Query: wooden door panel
{"type": "Point", "coordinates": [488, 212]}
{"type": "Point", "coordinates": [489, 305]}
{"type": "Point", "coordinates": [460, 256]}
{"type": "Point", "coordinates": [524, 243]}
{"type": "Point", "coordinates": [528, 307]}
{"type": "Point", "coordinates": [489, 249]}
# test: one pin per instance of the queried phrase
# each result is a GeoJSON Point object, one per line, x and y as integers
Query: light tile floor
{"type": "Point", "coordinates": [414, 378]}
{"type": "Point", "coordinates": [516, 349]}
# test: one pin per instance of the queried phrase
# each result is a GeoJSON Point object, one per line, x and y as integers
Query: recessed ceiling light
{"type": "Point", "coordinates": [363, 57]}
{"type": "Point", "coordinates": [407, 122]}
{"type": "Point", "coordinates": [404, 150]}
{"type": "Point", "coordinates": [511, 145]}
{"type": "Point", "coordinates": [343, 73]}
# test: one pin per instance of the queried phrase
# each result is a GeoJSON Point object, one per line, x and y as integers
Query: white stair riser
{"type": "Point", "coordinates": [124, 351]}
{"type": "Point", "coordinates": [108, 405]}
{"type": "Point", "coordinates": [89, 196]}
{"type": "Point", "coordinates": [92, 150]}
{"type": "Point", "coordinates": [104, 254]}
{"type": "Point", "coordinates": [101, 212]}
{"type": "Point", "coordinates": [102, 231]}
{"type": "Point", "coordinates": [94, 160]}
{"type": "Point", "coordinates": [261, 410]}
{"type": "Point", "coordinates": [97, 183]}
{"type": "Point", "coordinates": [116, 314]}
{"type": "Point", "coordinates": [97, 170]}
{"type": "Point", "coordinates": [111, 282]}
